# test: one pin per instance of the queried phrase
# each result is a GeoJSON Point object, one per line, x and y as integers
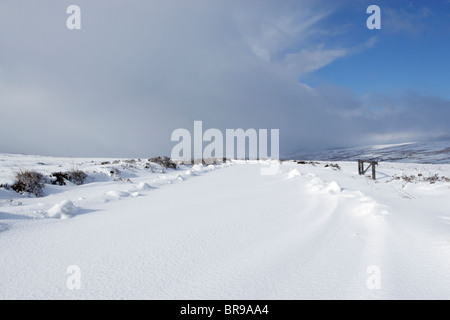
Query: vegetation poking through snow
{"type": "Point", "coordinates": [75, 176]}
{"type": "Point", "coordinates": [333, 166]}
{"type": "Point", "coordinates": [165, 162]}
{"type": "Point", "coordinates": [114, 172]}
{"type": "Point", "coordinates": [314, 163]}
{"type": "Point", "coordinates": [29, 182]}
{"type": "Point", "coordinates": [421, 178]}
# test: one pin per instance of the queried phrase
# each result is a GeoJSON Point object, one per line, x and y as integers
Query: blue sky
{"type": "Point", "coordinates": [411, 52]}
{"type": "Point", "coordinates": [137, 70]}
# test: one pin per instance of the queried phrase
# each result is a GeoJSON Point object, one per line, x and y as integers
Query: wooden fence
{"type": "Point", "coordinates": [372, 165]}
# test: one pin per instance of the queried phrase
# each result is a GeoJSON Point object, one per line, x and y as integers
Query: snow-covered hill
{"type": "Point", "coordinates": [242, 230]}
{"type": "Point", "coordinates": [431, 152]}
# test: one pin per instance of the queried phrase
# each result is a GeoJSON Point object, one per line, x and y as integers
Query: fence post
{"type": "Point", "coordinates": [372, 164]}
{"type": "Point", "coordinates": [374, 177]}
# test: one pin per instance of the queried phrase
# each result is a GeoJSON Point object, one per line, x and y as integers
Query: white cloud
{"type": "Point", "coordinates": [311, 60]}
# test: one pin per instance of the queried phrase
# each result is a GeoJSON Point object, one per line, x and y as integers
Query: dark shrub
{"type": "Point", "coordinates": [75, 176]}
{"type": "Point", "coordinates": [60, 178]}
{"type": "Point", "coordinates": [164, 162]}
{"type": "Point", "coordinates": [29, 181]}
{"type": "Point", "coordinates": [5, 186]}
{"type": "Point", "coordinates": [308, 162]}
{"type": "Point", "coordinates": [333, 166]}
{"type": "Point", "coordinates": [114, 172]}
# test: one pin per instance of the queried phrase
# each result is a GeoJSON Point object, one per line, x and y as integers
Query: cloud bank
{"type": "Point", "coordinates": [137, 71]}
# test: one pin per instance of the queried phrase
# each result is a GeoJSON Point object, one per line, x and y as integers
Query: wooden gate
{"type": "Point", "coordinates": [372, 165]}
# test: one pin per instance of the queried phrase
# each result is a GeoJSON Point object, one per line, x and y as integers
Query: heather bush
{"type": "Point", "coordinates": [165, 162]}
{"type": "Point", "coordinates": [29, 182]}
{"type": "Point", "coordinates": [75, 176]}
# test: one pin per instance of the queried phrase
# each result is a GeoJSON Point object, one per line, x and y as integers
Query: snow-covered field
{"type": "Point", "coordinates": [413, 152]}
{"type": "Point", "coordinates": [241, 230]}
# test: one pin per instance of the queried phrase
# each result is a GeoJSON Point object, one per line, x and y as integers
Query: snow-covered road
{"type": "Point", "coordinates": [233, 233]}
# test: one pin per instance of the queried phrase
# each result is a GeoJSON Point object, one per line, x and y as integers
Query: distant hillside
{"type": "Point", "coordinates": [431, 152]}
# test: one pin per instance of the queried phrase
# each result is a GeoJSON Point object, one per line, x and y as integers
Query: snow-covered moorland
{"type": "Point", "coordinates": [230, 231]}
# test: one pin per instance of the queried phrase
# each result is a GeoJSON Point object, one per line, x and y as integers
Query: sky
{"type": "Point", "coordinates": [138, 70]}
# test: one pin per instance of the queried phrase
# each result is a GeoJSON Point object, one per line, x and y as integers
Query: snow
{"type": "Point", "coordinates": [63, 210]}
{"type": "Point", "coordinates": [226, 232]}
{"type": "Point", "coordinates": [294, 173]}
{"type": "Point", "coordinates": [117, 194]}
{"type": "Point", "coordinates": [413, 152]}
{"type": "Point", "coordinates": [143, 186]}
